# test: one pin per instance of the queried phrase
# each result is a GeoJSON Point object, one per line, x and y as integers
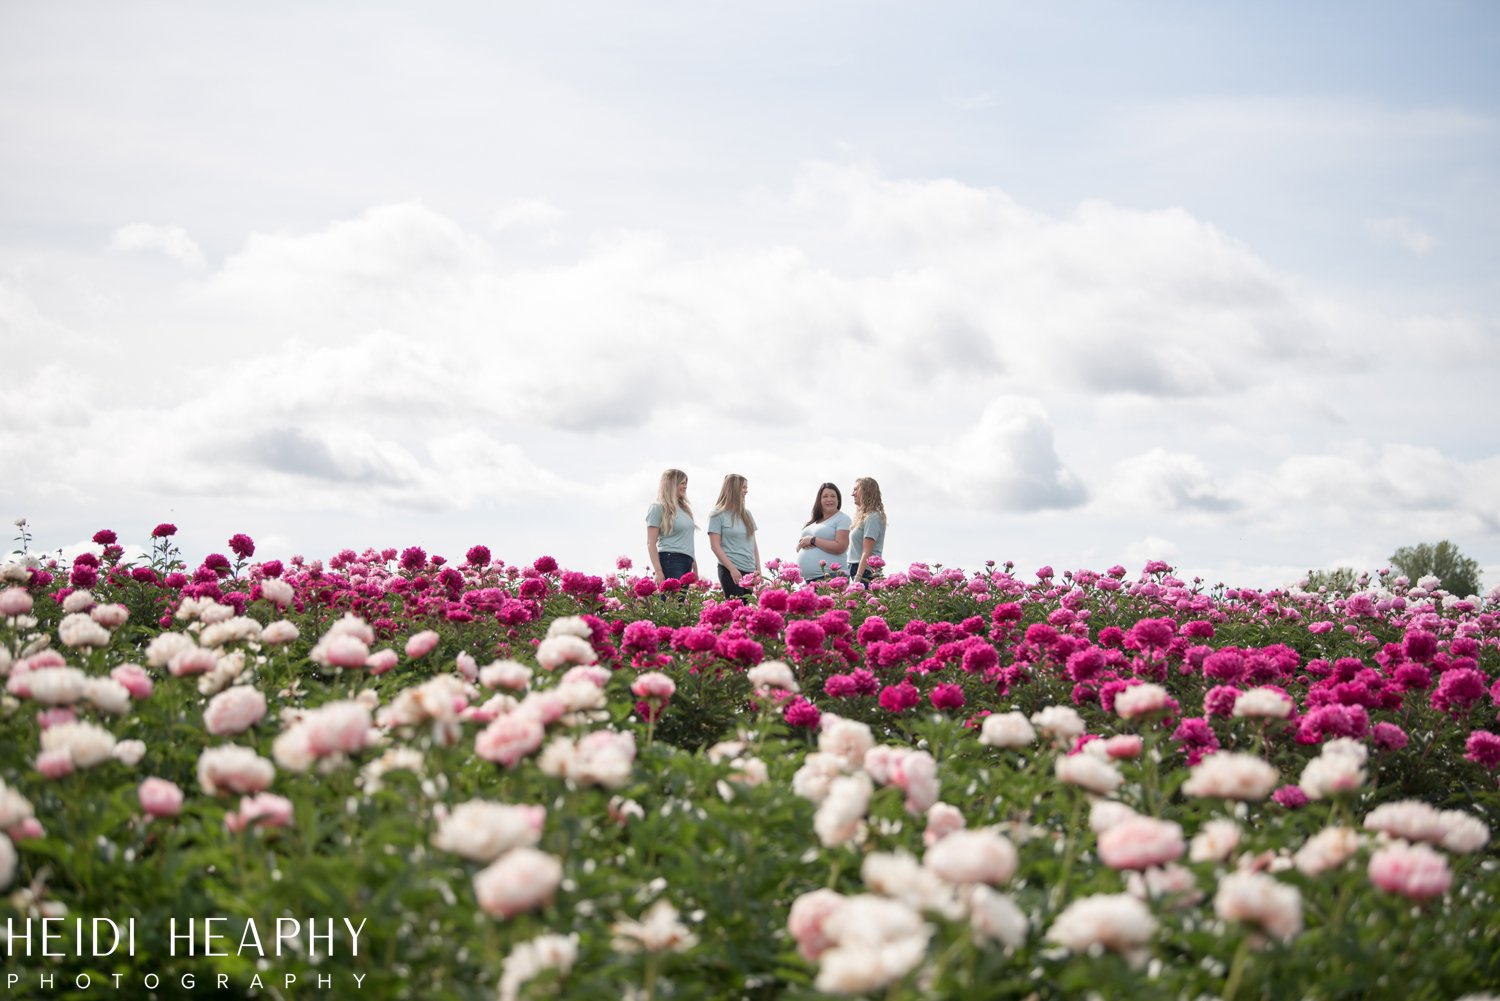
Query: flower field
{"type": "Point", "coordinates": [391, 775]}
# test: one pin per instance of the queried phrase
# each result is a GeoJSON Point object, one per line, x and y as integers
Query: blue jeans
{"type": "Point", "coordinates": [675, 564]}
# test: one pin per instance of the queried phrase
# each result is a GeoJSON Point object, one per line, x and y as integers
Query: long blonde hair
{"type": "Point", "coordinates": [732, 501]}
{"type": "Point", "coordinates": [666, 496]}
{"type": "Point", "coordinates": [869, 502]}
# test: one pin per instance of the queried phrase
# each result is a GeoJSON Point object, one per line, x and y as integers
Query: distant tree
{"type": "Point", "coordinates": [1343, 580]}
{"type": "Point", "coordinates": [1458, 574]}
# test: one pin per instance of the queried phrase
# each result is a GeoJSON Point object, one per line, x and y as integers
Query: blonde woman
{"type": "Point", "coordinates": [867, 535]}
{"type": "Point", "coordinates": [731, 535]}
{"type": "Point", "coordinates": [820, 550]}
{"type": "Point", "coordinates": [670, 528]}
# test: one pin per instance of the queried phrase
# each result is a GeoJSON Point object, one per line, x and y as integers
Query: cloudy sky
{"type": "Point", "coordinates": [1079, 283]}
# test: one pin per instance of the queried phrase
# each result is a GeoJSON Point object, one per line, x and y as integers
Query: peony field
{"type": "Point", "coordinates": [391, 774]}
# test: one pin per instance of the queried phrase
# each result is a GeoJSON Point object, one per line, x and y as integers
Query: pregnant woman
{"type": "Point", "coordinates": [825, 537]}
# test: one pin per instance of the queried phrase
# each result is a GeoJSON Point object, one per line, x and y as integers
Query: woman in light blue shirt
{"type": "Point", "coordinates": [825, 537]}
{"type": "Point", "coordinates": [731, 535]}
{"type": "Point", "coordinates": [670, 528]}
{"type": "Point", "coordinates": [867, 537]}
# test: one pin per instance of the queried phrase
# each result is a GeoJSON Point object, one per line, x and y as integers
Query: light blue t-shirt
{"type": "Point", "coordinates": [873, 527]}
{"type": "Point", "coordinates": [680, 539]}
{"type": "Point", "coordinates": [734, 538]}
{"type": "Point", "coordinates": [810, 559]}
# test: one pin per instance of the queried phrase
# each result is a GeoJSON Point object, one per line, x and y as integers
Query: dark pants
{"type": "Point", "coordinates": [674, 565]}
{"type": "Point", "coordinates": [731, 589]}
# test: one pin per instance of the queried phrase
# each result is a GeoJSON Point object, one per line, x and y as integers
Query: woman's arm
{"type": "Point", "coordinates": [864, 556]}
{"type": "Point", "coordinates": [757, 558]}
{"type": "Point", "coordinates": [652, 534]}
{"type": "Point", "coordinates": [715, 543]}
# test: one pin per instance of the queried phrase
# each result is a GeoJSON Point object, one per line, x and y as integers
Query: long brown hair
{"type": "Point", "coordinates": [869, 501]}
{"type": "Point", "coordinates": [666, 496]}
{"type": "Point", "coordinates": [817, 512]}
{"type": "Point", "coordinates": [732, 501]}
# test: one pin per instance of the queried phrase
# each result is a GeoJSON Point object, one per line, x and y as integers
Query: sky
{"type": "Point", "coordinates": [1079, 283]}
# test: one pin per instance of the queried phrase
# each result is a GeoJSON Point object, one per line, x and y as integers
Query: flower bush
{"type": "Point", "coordinates": [487, 780]}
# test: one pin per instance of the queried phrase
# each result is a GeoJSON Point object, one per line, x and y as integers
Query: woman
{"type": "Point", "coordinates": [731, 535]}
{"type": "Point", "coordinates": [670, 528]}
{"type": "Point", "coordinates": [825, 537]}
{"type": "Point", "coordinates": [867, 538]}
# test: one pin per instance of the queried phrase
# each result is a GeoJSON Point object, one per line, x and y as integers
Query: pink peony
{"type": "Point", "coordinates": [1141, 842]}
{"type": "Point", "coordinates": [653, 685]}
{"type": "Point", "coordinates": [509, 739]}
{"type": "Point", "coordinates": [422, 643]}
{"type": "Point", "coordinates": [233, 769]}
{"type": "Point", "coordinates": [14, 601]}
{"type": "Point", "coordinates": [1483, 748]}
{"type": "Point", "coordinates": [160, 798]}
{"type": "Point", "coordinates": [1414, 871]}
{"type": "Point", "coordinates": [521, 880]}
{"type": "Point", "coordinates": [973, 857]}
{"type": "Point", "coordinates": [1262, 900]}
{"type": "Point", "coordinates": [234, 710]}
{"type": "Point", "coordinates": [809, 914]}
{"type": "Point", "coordinates": [1124, 746]}
{"type": "Point", "coordinates": [264, 810]}
{"type": "Point", "coordinates": [1227, 775]}
{"type": "Point", "coordinates": [135, 679]}
{"type": "Point", "coordinates": [381, 662]}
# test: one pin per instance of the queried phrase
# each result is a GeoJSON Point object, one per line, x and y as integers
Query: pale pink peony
{"type": "Point", "coordinates": [86, 744]}
{"type": "Point", "coordinates": [1229, 775]}
{"type": "Point", "coordinates": [191, 660]}
{"type": "Point", "coordinates": [774, 674]}
{"type": "Point", "coordinates": [979, 856]}
{"type": "Point", "coordinates": [555, 651]}
{"type": "Point", "coordinates": [1263, 703]}
{"type": "Point", "coordinates": [521, 880]}
{"type": "Point", "coordinates": [1096, 775]}
{"type": "Point", "coordinates": [593, 674]}
{"type": "Point", "coordinates": [233, 769]}
{"type": "Point", "coordinates": [505, 674]}
{"type": "Point", "coordinates": [129, 752]}
{"type": "Point", "coordinates": [341, 727]}
{"type": "Point", "coordinates": [653, 685]}
{"type": "Point", "coordinates": [135, 679]}
{"type": "Point", "coordinates": [8, 861]}
{"type": "Point", "coordinates": [1114, 921]}
{"type": "Point", "coordinates": [942, 820]}
{"type": "Point", "coordinates": [809, 913]}
{"type": "Point", "coordinates": [79, 601]}
{"type": "Point", "coordinates": [159, 797]}
{"type": "Point", "coordinates": [1142, 700]}
{"type": "Point", "coordinates": [14, 601]}
{"type": "Point", "coordinates": [78, 630]}
{"type": "Point", "coordinates": [658, 930]}
{"type": "Point", "coordinates": [340, 650]}
{"type": "Point", "coordinates": [234, 710]}
{"type": "Point", "coordinates": [1463, 834]}
{"type": "Point", "coordinates": [846, 739]}
{"type": "Point", "coordinates": [1123, 746]}
{"type": "Point", "coordinates": [993, 916]}
{"type": "Point", "coordinates": [55, 764]}
{"type": "Point", "coordinates": [1215, 842]}
{"type": "Point", "coordinates": [51, 686]}
{"type": "Point", "coordinates": [843, 809]}
{"type": "Point", "coordinates": [1408, 819]}
{"type": "Point", "coordinates": [1141, 842]}
{"type": "Point", "coordinates": [280, 633]}
{"type": "Point", "coordinates": [482, 830]}
{"type": "Point", "coordinates": [1007, 730]}
{"type": "Point", "coordinates": [278, 592]}
{"type": "Point", "coordinates": [1414, 871]}
{"type": "Point", "coordinates": [1331, 774]}
{"type": "Point", "coordinates": [422, 643]}
{"type": "Point", "coordinates": [915, 773]}
{"type": "Point", "coordinates": [509, 739]}
{"type": "Point", "coordinates": [1261, 900]}
{"type": "Point", "coordinates": [263, 810]}
{"type": "Point", "coordinates": [110, 616]}
{"type": "Point", "coordinates": [1328, 849]}
{"type": "Point", "coordinates": [382, 662]}
{"type": "Point", "coordinates": [1061, 724]}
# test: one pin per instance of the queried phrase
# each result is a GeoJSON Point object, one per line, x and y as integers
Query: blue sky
{"type": "Point", "coordinates": [1079, 283]}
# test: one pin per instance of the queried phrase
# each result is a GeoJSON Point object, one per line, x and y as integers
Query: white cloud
{"type": "Point", "coordinates": [173, 241]}
{"type": "Point", "coordinates": [528, 213]}
{"type": "Point", "coordinates": [1402, 232]}
{"type": "Point", "coordinates": [1159, 481]}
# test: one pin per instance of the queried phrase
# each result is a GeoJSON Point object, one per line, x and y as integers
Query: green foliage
{"type": "Point", "coordinates": [1342, 580]}
{"type": "Point", "coordinates": [1458, 574]}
